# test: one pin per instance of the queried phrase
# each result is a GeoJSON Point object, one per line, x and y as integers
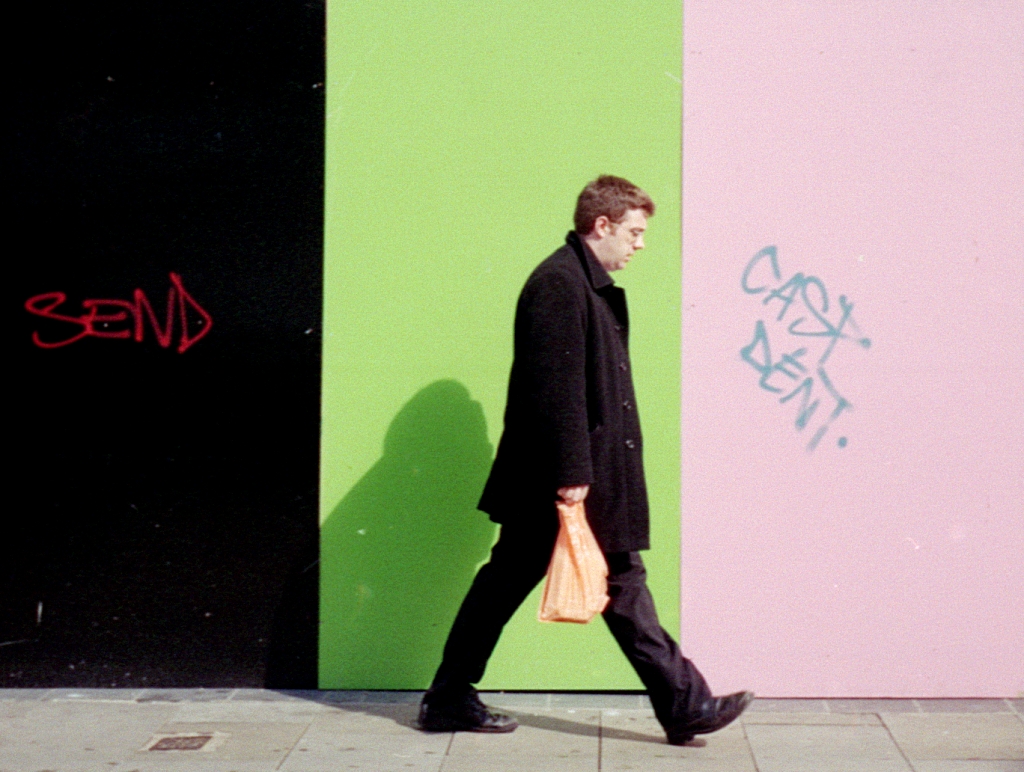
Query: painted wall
{"type": "Point", "coordinates": [853, 432]}
{"type": "Point", "coordinates": [458, 137]}
{"type": "Point", "coordinates": [876, 146]}
{"type": "Point", "coordinates": [159, 526]}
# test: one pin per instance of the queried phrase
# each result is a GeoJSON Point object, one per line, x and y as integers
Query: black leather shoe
{"type": "Point", "coordinates": [715, 714]}
{"type": "Point", "coordinates": [439, 713]}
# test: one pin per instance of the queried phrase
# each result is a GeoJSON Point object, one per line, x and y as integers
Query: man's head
{"type": "Point", "coordinates": [611, 217]}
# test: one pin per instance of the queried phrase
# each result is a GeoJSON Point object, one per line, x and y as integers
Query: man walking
{"type": "Point", "coordinates": [572, 433]}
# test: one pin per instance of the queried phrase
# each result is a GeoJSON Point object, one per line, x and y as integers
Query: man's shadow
{"type": "Point", "coordinates": [401, 549]}
{"type": "Point", "coordinates": [404, 713]}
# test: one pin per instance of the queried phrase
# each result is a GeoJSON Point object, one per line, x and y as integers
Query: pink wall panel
{"type": "Point", "coordinates": [879, 147]}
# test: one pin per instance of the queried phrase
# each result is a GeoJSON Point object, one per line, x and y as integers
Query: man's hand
{"type": "Point", "coordinates": [573, 494]}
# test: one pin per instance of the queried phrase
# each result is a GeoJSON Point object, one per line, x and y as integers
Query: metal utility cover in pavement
{"type": "Point", "coordinates": [181, 742]}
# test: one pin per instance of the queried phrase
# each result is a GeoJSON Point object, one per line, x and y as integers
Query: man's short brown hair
{"type": "Point", "coordinates": [609, 196]}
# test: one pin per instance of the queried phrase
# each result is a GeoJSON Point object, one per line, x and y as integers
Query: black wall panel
{"type": "Point", "coordinates": [160, 523]}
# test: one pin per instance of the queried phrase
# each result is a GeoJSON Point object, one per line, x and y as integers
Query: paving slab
{"type": "Point", "coordinates": [969, 766]}
{"type": "Point", "coordinates": [274, 695]}
{"type": "Point", "coordinates": [368, 753]}
{"type": "Point", "coordinates": [354, 696]}
{"type": "Point", "coordinates": [239, 747]}
{"type": "Point", "coordinates": [872, 706]}
{"type": "Point", "coordinates": [23, 694]}
{"type": "Point", "coordinates": [77, 737]}
{"type": "Point", "coordinates": [634, 740]}
{"type": "Point", "coordinates": [601, 701]}
{"type": "Point", "coordinates": [546, 740]}
{"type": "Point", "coordinates": [803, 748]}
{"type": "Point", "coordinates": [787, 706]}
{"type": "Point", "coordinates": [342, 740]}
{"type": "Point", "coordinates": [394, 698]}
{"type": "Point", "coordinates": [963, 706]}
{"type": "Point", "coordinates": [814, 719]}
{"type": "Point", "coordinates": [185, 695]}
{"type": "Point", "coordinates": [297, 711]}
{"type": "Point", "coordinates": [371, 717]}
{"type": "Point", "coordinates": [344, 696]}
{"type": "Point", "coordinates": [568, 720]}
{"type": "Point", "coordinates": [631, 725]}
{"type": "Point", "coordinates": [95, 695]}
{"type": "Point", "coordinates": [965, 736]}
{"type": "Point", "coordinates": [508, 700]}
{"type": "Point", "coordinates": [12, 709]}
{"type": "Point", "coordinates": [252, 730]}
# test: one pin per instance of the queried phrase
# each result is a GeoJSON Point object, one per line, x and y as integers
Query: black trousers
{"type": "Point", "coordinates": [518, 562]}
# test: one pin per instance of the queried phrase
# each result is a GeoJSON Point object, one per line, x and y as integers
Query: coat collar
{"type": "Point", "coordinates": [596, 274]}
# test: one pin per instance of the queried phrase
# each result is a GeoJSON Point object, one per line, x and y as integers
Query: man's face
{"type": "Point", "coordinates": [616, 242]}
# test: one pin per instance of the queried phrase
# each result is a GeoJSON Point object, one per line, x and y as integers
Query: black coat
{"type": "Point", "coordinates": [571, 417]}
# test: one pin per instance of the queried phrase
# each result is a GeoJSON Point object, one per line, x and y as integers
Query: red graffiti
{"type": "Point", "coordinates": [101, 314]}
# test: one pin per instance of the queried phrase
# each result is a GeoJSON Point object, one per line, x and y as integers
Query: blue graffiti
{"type": "Point", "coordinates": [813, 303]}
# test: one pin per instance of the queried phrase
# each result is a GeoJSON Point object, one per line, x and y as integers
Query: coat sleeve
{"type": "Point", "coordinates": [553, 343]}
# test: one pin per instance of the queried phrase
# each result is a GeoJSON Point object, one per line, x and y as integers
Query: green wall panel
{"type": "Point", "coordinates": [458, 137]}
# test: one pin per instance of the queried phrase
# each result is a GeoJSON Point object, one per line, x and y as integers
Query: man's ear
{"type": "Point", "coordinates": [602, 226]}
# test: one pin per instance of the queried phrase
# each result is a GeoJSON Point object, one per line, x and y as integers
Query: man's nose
{"type": "Point", "coordinates": [639, 243]}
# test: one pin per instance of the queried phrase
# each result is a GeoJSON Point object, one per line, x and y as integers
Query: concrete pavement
{"type": "Point", "coordinates": [253, 730]}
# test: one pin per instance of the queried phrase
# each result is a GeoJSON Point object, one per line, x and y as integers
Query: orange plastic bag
{"type": "Point", "coordinates": [577, 583]}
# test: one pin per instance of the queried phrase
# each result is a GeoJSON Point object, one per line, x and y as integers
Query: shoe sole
{"type": "Point", "coordinates": [690, 742]}
{"type": "Point", "coordinates": [464, 728]}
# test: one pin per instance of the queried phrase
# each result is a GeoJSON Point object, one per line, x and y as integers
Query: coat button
{"type": "Point", "coordinates": [630, 444]}
{"type": "Point", "coordinates": [627, 404]}
{"type": "Point", "coordinates": [623, 365]}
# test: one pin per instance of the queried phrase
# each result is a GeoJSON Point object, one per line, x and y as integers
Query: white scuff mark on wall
{"type": "Point", "coordinates": [331, 114]}
{"type": "Point", "coordinates": [916, 545]}
{"type": "Point", "coordinates": [355, 71]}
{"type": "Point", "coordinates": [674, 77]}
